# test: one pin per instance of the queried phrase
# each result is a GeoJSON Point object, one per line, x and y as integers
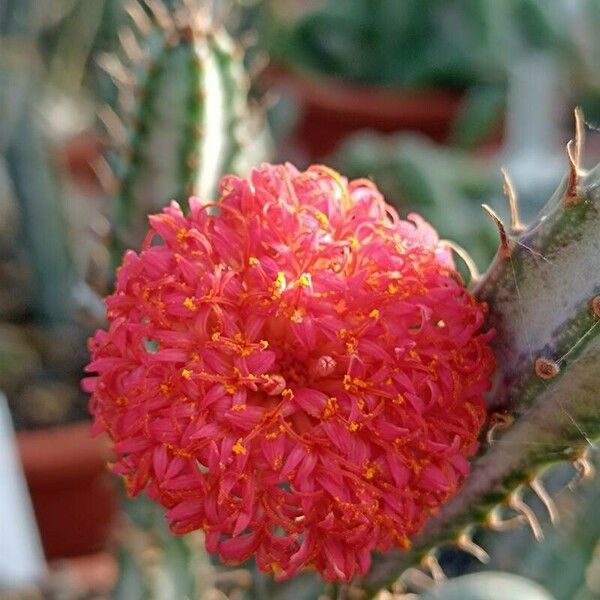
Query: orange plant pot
{"type": "Point", "coordinates": [332, 109]}
{"type": "Point", "coordinates": [74, 496]}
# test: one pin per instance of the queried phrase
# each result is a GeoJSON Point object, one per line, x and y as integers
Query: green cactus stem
{"type": "Point", "coordinates": [543, 293]}
{"type": "Point", "coordinates": [189, 115]}
{"type": "Point", "coordinates": [43, 228]}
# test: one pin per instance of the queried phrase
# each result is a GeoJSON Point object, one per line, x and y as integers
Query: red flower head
{"type": "Point", "coordinates": [300, 375]}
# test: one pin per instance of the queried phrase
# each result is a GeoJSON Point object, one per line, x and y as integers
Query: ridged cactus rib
{"type": "Point", "coordinates": [187, 126]}
{"type": "Point", "coordinates": [543, 294]}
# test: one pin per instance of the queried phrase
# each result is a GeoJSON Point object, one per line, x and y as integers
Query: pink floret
{"type": "Point", "coordinates": [299, 372]}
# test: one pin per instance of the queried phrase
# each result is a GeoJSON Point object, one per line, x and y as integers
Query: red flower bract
{"type": "Point", "coordinates": [297, 372]}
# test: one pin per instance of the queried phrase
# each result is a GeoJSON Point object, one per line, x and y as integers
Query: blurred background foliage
{"type": "Point", "coordinates": [57, 204]}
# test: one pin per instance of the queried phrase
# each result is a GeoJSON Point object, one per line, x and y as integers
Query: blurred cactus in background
{"type": "Point", "coordinates": [41, 349]}
{"type": "Point", "coordinates": [464, 45]}
{"type": "Point", "coordinates": [183, 94]}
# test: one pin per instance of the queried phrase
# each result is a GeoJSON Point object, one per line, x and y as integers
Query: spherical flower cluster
{"type": "Point", "coordinates": [296, 371]}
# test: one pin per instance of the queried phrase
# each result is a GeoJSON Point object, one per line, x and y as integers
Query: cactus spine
{"type": "Point", "coordinates": [544, 298]}
{"type": "Point", "coordinates": [190, 115]}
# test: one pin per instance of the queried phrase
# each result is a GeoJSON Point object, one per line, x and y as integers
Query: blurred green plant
{"type": "Point", "coordinates": [41, 343]}
{"type": "Point", "coordinates": [182, 119]}
{"type": "Point", "coordinates": [461, 44]}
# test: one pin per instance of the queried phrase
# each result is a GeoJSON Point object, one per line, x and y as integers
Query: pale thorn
{"type": "Point", "coordinates": [190, 7]}
{"type": "Point", "coordinates": [466, 258]}
{"type": "Point", "coordinates": [516, 225]}
{"type": "Point", "coordinates": [385, 595]}
{"type": "Point", "coordinates": [572, 188]}
{"type": "Point", "coordinates": [140, 19]}
{"type": "Point", "coordinates": [194, 15]}
{"type": "Point", "coordinates": [417, 578]}
{"type": "Point", "coordinates": [258, 65]}
{"type": "Point", "coordinates": [503, 422]}
{"type": "Point", "coordinates": [538, 487]}
{"type": "Point", "coordinates": [130, 45]}
{"type": "Point", "coordinates": [113, 124]}
{"type": "Point", "coordinates": [106, 177]}
{"type": "Point", "coordinates": [516, 503]}
{"type": "Point", "coordinates": [497, 523]}
{"type": "Point", "coordinates": [579, 136]}
{"type": "Point", "coordinates": [505, 247]}
{"type": "Point", "coordinates": [399, 586]}
{"type": "Point", "coordinates": [161, 15]}
{"type": "Point", "coordinates": [585, 470]}
{"type": "Point", "coordinates": [574, 153]}
{"type": "Point", "coordinates": [115, 69]}
{"type": "Point", "coordinates": [466, 543]}
{"type": "Point", "coordinates": [430, 562]}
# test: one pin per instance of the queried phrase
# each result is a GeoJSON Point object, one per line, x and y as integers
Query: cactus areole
{"type": "Point", "coordinates": [296, 371]}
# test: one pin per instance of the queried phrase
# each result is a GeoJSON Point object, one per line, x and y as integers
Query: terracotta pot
{"type": "Point", "coordinates": [73, 494]}
{"type": "Point", "coordinates": [332, 109]}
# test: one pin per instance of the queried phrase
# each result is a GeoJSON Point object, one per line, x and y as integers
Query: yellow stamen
{"type": "Point", "coordinates": [238, 447]}
{"type": "Point", "coordinates": [322, 218]}
{"type": "Point", "coordinates": [357, 382]}
{"type": "Point", "coordinates": [347, 382]}
{"type": "Point", "coordinates": [186, 373]}
{"type": "Point", "coordinates": [253, 261]}
{"type": "Point", "coordinates": [331, 407]}
{"type": "Point", "coordinates": [297, 316]}
{"type": "Point", "coordinates": [374, 314]}
{"type": "Point", "coordinates": [370, 472]}
{"type": "Point", "coordinates": [305, 280]}
{"type": "Point", "coordinates": [354, 426]}
{"type": "Point", "coordinates": [190, 304]}
{"type": "Point", "coordinates": [288, 394]}
{"type": "Point", "coordinates": [279, 283]}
